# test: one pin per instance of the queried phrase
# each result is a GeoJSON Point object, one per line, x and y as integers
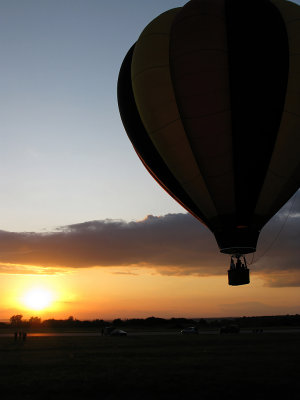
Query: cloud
{"type": "Point", "coordinates": [173, 244]}
{"type": "Point", "coordinates": [290, 278]}
{"type": "Point", "coordinates": [19, 269]}
{"type": "Point", "coordinates": [170, 240]}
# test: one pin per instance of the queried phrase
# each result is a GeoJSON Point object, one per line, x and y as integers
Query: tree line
{"type": "Point", "coordinates": [17, 321]}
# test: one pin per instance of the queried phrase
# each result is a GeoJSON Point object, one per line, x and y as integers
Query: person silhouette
{"type": "Point", "coordinates": [232, 266]}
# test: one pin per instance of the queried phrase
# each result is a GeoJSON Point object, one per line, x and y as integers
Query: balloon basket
{"type": "Point", "coordinates": [238, 276]}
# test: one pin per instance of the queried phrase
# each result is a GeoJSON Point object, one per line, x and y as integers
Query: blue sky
{"type": "Point", "coordinates": [65, 157]}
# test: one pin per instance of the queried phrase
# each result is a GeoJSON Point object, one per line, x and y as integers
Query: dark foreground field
{"type": "Point", "coordinates": [152, 367]}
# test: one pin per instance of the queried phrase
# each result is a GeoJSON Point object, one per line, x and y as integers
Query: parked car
{"type": "Point", "coordinates": [191, 330]}
{"type": "Point", "coordinates": [112, 331]}
{"type": "Point", "coordinates": [118, 332]}
{"type": "Point", "coordinates": [230, 329]}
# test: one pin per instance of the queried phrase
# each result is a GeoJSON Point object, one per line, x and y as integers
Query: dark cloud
{"type": "Point", "coordinates": [170, 240]}
{"type": "Point", "coordinates": [174, 244]}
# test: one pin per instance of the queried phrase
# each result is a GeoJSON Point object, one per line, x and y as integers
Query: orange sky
{"type": "Point", "coordinates": [167, 266]}
{"type": "Point", "coordinates": [142, 292]}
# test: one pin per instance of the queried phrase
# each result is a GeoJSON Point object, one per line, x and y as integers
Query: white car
{"type": "Point", "coordinates": [191, 330]}
{"type": "Point", "coordinates": [118, 332]}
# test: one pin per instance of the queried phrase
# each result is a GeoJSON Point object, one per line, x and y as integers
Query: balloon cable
{"type": "Point", "coordinates": [278, 234]}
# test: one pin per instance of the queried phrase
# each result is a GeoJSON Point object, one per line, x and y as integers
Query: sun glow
{"type": "Point", "coordinates": [38, 298]}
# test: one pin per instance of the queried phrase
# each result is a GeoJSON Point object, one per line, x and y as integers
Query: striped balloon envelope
{"type": "Point", "coordinates": [210, 98]}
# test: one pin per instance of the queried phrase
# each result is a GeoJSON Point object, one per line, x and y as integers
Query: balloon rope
{"type": "Point", "coordinates": [278, 234]}
{"type": "Point", "coordinates": [252, 260]}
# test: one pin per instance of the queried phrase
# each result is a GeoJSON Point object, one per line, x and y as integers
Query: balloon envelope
{"type": "Point", "coordinates": [210, 98]}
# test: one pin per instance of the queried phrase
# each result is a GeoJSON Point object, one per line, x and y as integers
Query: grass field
{"type": "Point", "coordinates": [152, 367]}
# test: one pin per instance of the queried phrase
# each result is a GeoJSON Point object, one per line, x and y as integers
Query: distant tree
{"type": "Point", "coordinates": [16, 320]}
{"type": "Point", "coordinates": [99, 322]}
{"type": "Point", "coordinates": [35, 321]}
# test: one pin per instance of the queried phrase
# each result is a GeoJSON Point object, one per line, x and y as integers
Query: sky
{"type": "Point", "coordinates": [80, 216]}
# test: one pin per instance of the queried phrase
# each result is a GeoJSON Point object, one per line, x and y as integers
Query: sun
{"type": "Point", "coordinates": [38, 298]}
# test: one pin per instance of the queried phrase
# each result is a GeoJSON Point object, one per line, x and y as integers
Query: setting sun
{"type": "Point", "coordinates": [38, 298]}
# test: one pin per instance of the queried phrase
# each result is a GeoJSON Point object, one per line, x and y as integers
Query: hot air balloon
{"type": "Point", "coordinates": [210, 98]}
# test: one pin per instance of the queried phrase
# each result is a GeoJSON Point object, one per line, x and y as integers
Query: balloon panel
{"type": "Point", "coordinates": [142, 143]}
{"type": "Point", "coordinates": [258, 64]}
{"type": "Point", "coordinates": [155, 99]}
{"type": "Point", "coordinates": [200, 76]}
{"type": "Point", "coordinates": [283, 175]}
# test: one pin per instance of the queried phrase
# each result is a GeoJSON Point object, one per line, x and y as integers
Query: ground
{"type": "Point", "coordinates": [244, 366]}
